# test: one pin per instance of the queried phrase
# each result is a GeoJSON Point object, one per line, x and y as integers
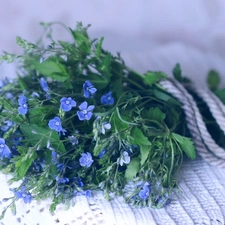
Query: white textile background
{"type": "Point", "coordinates": [161, 32]}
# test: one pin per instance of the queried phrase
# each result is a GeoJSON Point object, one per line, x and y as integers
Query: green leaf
{"type": "Point", "coordinates": [99, 47]}
{"type": "Point", "coordinates": [81, 37]}
{"type": "Point", "coordinates": [186, 145]}
{"type": "Point", "coordinates": [52, 69]}
{"type": "Point", "coordinates": [177, 73]}
{"type": "Point", "coordinates": [22, 84]}
{"type": "Point", "coordinates": [213, 79]}
{"type": "Point", "coordinates": [24, 162]}
{"type": "Point", "coordinates": [40, 136]}
{"type": "Point", "coordinates": [138, 138]}
{"type": "Point", "coordinates": [220, 93]}
{"type": "Point", "coordinates": [156, 114]}
{"type": "Point", "coordinates": [132, 169]}
{"type": "Point", "coordinates": [3, 214]}
{"type": "Point", "coordinates": [13, 208]}
{"type": "Point", "coordinates": [106, 64]}
{"type": "Point", "coordinates": [153, 77]}
{"type": "Point", "coordinates": [38, 114]}
{"type": "Point", "coordinates": [161, 95]}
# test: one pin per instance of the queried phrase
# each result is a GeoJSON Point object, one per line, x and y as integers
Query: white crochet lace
{"type": "Point", "coordinates": [201, 201]}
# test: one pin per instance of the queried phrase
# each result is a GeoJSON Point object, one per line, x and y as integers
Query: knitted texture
{"type": "Point", "coordinates": [201, 201]}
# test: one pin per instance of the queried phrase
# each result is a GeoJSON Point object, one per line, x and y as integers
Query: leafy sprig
{"type": "Point", "coordinates": [78, 119]}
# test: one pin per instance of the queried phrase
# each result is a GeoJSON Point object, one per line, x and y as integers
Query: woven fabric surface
{"type": "Point", "coordinates": [201, 200]}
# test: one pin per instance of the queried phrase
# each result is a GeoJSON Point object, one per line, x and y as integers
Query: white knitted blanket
{"type": "Point", "coordinates": [201, 201]}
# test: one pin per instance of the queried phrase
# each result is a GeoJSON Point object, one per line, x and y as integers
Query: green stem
{"type": "Point", "coordinates": [172, 158]}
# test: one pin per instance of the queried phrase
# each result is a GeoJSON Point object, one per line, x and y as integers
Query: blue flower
{"type": "Point", "coordinates": [54, 157]}
{"type": "Point", "coordinates": [86, 159]}
{"type": "Point", "coordinates": [86, 113]}
{"type": "Point", "coordinates": [144, 193]}
{"type": "Point", "coordinates": [107, 99]}
{"type": "Point", "coordinates": [89, 89]}
{"type": "Point", "coordinates": [105, 126]}
{"type": "Point", "coordinates": [125, 158]}
{"type": "Point", "coordinates": [4, 149]}
{"type": "Point", "coordinates": [102, 153]}
{"type": "Point", "coordinates": [27, 197]}
{"type": "Point", "coordinates": [62, 180]}
{"type": "Point", "coordinates": [67, 104]}
{"type": "Point", "coordinates": [162, 201]}
{"type": "Point", "coordinates": [22, 99]}
{"type": "Point", "coordinates": [73, 140]}
{"type": "Point", "coordinates": [44, 84]}
{"type": "Point", "coordinates": [88, 193]}
{"type": "Point", "coordinates": [23, 107]}
{"type": "Point", "coordinates": [55, 124]}
{"type": "Point", "coordinates": [22, 193]}
{"type": "Point", "coordinates": [78, 181]}
{"type": "Point", "coordinates": [8, 124]}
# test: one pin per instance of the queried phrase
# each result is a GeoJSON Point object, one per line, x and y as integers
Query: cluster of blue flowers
{"type": "Point", "coordinates": [145, 191]}
{"type": "Point", "coordinates": [5, 152]}
{"type": "Point", "coordinates": [23, 194]}
{"type": "Point", "coordinates": [85, 113]}
{"type": "Point", "coordinates": [23, 107]}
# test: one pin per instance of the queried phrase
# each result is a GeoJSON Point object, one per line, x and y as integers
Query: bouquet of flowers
{"type": "Point", "coordinates": [77, 119]}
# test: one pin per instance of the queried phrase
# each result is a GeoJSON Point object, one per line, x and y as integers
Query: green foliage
{"type": "Point", "coordinates": [213, 79]}
{"type": "Point", "coordinates": [153, 77]}
{"type": "Point", "coordinates": [41, 136]}
{"type": "Point", "coordinates": [138, 137]}
{"type": "Point", "coordinates": [132, 169]}
{"type": "Point", "coordinates": [186, 145]}
{"type": "Point", "coordinates": [156, 114]}
{"type": "Point", "coordinates": [25, 44]}
{"type": "Point", "coordinates": [177, 73]}
{"type": "Point", "coordinates": [24, 162]}
{"type": "Point", "coordinates": [52, 69]}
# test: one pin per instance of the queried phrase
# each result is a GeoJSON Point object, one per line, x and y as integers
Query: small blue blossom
{"type": "Point", "coordinates": [125, 158]}
{"type": "Point", "coordinates": [107, 99]}
{"type": "Point", "coordinates": [89, 89]}
{"type": "Point", "coordinates": [144, 193]}
{"type": "Point", "coordinates": [102, 153]}
{"type": "Point", "coordinates": [8, 124]}
{"type": "Point", "coordinates": [23, 194]}
{"type": "Point", "coordinates": [73, 140]}
{"type": "Point", "coordinates": [54, 157]}
{"type": "Point", "coordinates": [27, 198]}
{"type": "Point", "coordinates": [9, 95]}
{"type": "Point", "coordinates": [86, 113]}
{"type": "Point", "coordinates": [105, 126]}
{"type": "Point", "coordinates": [23, 107]}
{"type": "Point", "coordinates": [55, 124]}
{"type": "Point", "coordinates": [22, 99]}
{"type": "Point", "coordinates": [86, 159]}
{"type": "Point", "coordinates": [78, 182]}
{"type": "Point", "coordinates": [162, 201]}
{"type": "Point", "coordinates": [67, 104]}
{"type": "Point", "coordinates": [62, 180]}
{"type": "Point", "coordinates": [44, 84]}
{"type": "Point", "coordinates": [4, 149]}
{"type": "Point", "coordinates": [88, 193]}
